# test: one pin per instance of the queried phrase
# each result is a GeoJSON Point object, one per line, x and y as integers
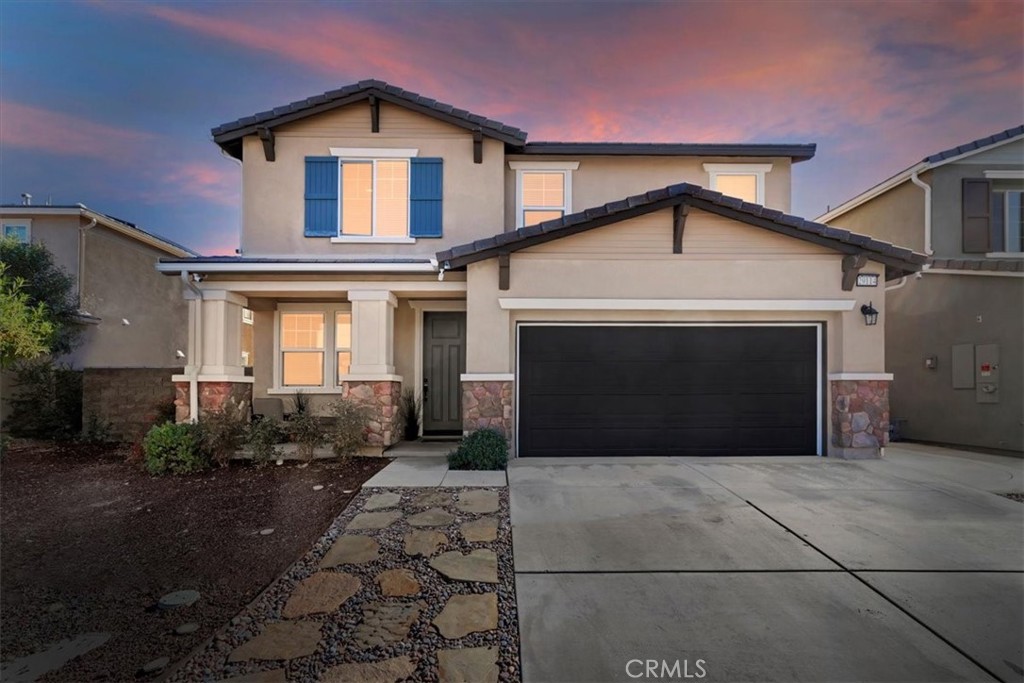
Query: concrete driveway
{"type": "Point", "coordinates": [770, 569]}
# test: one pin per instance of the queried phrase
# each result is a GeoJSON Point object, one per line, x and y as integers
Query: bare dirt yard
{"type": "Point", "coordinates": [89, 544]}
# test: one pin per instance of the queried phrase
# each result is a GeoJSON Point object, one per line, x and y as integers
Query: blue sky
{"type": "Point", "coordinates": [111, 103]}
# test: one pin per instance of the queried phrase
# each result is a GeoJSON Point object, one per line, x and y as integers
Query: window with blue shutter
{"type": "Point", "coordinates": [321, 196]}
{"type": "Point", "coordinates": [425, 194]}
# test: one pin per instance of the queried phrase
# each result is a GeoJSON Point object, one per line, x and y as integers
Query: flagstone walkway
{"type": "Point", "coordinates": [407, 584]}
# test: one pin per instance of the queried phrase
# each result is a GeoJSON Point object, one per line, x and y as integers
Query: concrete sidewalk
{"type": "Point", "coordinates": [431, 470]}
{"type": "Point", "coordinates": [805, 569]}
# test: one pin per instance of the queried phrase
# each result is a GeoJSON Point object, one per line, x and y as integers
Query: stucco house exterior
{"type": "Point", "coordinates": [134, 321]}
{"type": "Point", "coordinates": [955, 331]}
{"type": "Point", "coordinates": [584, 298]}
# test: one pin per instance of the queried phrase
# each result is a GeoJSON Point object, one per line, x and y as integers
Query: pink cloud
{"type": "Point", "coordinates": [177, 181]}
{"type": "Point", "coordinates": [28, 127]}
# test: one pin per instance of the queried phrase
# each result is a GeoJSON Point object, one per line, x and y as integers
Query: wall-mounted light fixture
{"type": "Point", "coordinates": [870, 314]}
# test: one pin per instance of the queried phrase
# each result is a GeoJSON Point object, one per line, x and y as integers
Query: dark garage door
{"type": "Point", "coordinates": [667, 390]}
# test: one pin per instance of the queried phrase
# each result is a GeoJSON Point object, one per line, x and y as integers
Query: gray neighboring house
{"type": "Point", "coordinates": [955, 331]}
{"type": "Point", "coordinates": [135, 321]}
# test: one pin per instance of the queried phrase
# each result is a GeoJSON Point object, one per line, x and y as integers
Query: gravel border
{"type": "Point", "coordinates": [209, 662]}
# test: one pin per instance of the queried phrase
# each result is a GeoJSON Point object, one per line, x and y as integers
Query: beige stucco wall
{"type": "Point", "coordinates": [58, 233]}
{"type": "Point", "coordinates": [272, 192]}
{"type": "Point", "coordinates": [602, 179]}
{"type": "Point", "coordinates": [721, 259]}
{"type": "Point", "coordinates": [896, 216]}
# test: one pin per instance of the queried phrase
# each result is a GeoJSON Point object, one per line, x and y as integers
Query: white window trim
{"type": "Point", "coordinates": [374, 238]}
{"type": "Point", "coordinates": [1005, 175]}
{"type": "Point", "coordinates": [564, 167]}
{"type": "Point", "coordinates": [364, 153]}
{"type": "Point", "coordinates": [756, 170]}
{"type": "Point", "coordinates": [1006, 221]}
{"type": "Point", "coordinates": [332, 383]}
{"type": "Point", "coordinates": [17, 223]}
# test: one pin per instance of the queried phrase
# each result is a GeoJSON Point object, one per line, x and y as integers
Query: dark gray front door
{"type": "Point", "coordinates": [444, 359]}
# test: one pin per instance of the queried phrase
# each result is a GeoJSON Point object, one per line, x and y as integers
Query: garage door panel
{"type": "Point", "coordinates": [667, 390]}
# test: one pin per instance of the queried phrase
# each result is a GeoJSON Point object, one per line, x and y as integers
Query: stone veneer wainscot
{"type": "Point", "coordinates": [213, 397]}
{"type": "Point", "coordinates": [381, 399]}
{"type": "Point", "coordinates": [860, 418]}
{"type": "Point", "coordinates": [487, 404]}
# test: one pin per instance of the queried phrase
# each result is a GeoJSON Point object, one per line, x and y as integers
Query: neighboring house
{"type": "Point", "coordinates": [583, 298]}
{"type": "Point", "coordinates": [955, 332]}
{"type": "Point", "coordinates": [134, 321]}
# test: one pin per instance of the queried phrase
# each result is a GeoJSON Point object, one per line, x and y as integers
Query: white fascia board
{"type": "Point", "coordinates": [355, 267]}
{"type": "Point", "coordinates": [305, 286]}
{"type": "Point", "coordinates": [981, 273]}
{"type": "Point", "coordinates": [559, 304]}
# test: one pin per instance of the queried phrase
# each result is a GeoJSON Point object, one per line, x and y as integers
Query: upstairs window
{"type": "Point", "coordinates": [375, 198]}
{"type": "Point", "coordinates": [543, 191]}
{"type": "Point", "coordinates": [993, 214]}
{"type": "Point", "coordinates": [743, 181]}
{"type": "Point", "coordinates": [20, 230]}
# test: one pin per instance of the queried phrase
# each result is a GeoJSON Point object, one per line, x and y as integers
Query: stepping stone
{"type": "Point", "coordinates": [280, 640]}
{"type": "Point", "coordinates": [465, 614]}
{"type": "Point", "coordinates": [478, 565]}
{"type": "Point", "coordinates": [424, 543]}
{"type": "Point", "coordinates": [387, 671]}
{"type": "Point", "coordinates": [33, 666]}
{"type": "Point", "coordinates": [481, 530]}
{"type": "Point", "coordinates": [322, 592]}
{"type": "Point", "coordinates": [155, 665]}
{"type": "Point", "coordinates": [385, 622]}
{"type": "Point", "coordinates": [352, 549]}
{"type": "Point", "coordinates": [266, 532]}
{"type": "Point", "coordinates": [373, 520]}
{"type": "Point", "coordinates": [432, 499]}
{"type": "Point", "coordinates": [395, 582]}
{"type": "Point", "coordinates": [431, 517]}
{"type": "Point", "coordinates": [379, 501]}
{"type": "Point", "coordinates": [478, 501]}
{"type": "Point", "coordinates": [186, 629]}
{"type": "Point", "coordinates": [468, 665]}
{"type": "Point", "coordinates": [272, 676]}
{"type": "Point", "coordinates": [178, 599]}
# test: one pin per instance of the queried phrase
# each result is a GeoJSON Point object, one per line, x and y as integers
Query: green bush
{"type": "Point", "coordinates": [96, 430]}
{"type": "Point", "coordinates": [223, 433]}
{"type": "Point", "coordinates": [175, 449]}
{"type": "Point", "coordinates": [409, 412]}
{"type": "Point", "coordinates": [262, 436]}
{"type": "Point", "coordinates": [307, 430]}
{"type": "Point", "coordinates": [47, 401]}
{"type": "Point", "coordinates": [348, 429]}
{"type": "Point", "coordinates": [484, 449]}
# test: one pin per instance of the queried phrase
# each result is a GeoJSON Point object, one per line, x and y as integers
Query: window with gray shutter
{"type": "Point", "coordinates": [977, 216]}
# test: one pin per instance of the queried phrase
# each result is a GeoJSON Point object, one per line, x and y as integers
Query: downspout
{"type": "Point", "coordinates": [193, 379]}
{"type": "Point", "coordinates": [927, 211]}
{"type": "Point", "coordinates": [899, 283]}
{"type": "Point", "coordinates": [82, 229]}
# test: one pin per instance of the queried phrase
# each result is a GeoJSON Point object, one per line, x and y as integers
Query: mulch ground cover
{"type": "Point", "coordinates": [89, 543]}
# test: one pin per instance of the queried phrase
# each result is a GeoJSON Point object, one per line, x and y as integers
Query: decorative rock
{"type": "Point", "coordinates": [387, 671]}
{"type": "Point", "coordinates": [322, 592]}
{"type": "Point", "coordinates": [465, 614]}
{"type": "Point", "coordinates": [424, 543]}
{"type": "Point", "coordinates": [432, 499]}
{"type": "Point", "coordinates": [478, 501]}
{"type": "Point", "coordinates": [431, 517]}
{"type": "Point", "coordinates": [479, 565]}
{"type": "Point", "coordinates": [280, 640]}
{"type": "Point", "coordinates": [480, 531]}
{"type": "Point", "coordinates": [272, 676]}
{"type": "Point", "coordinates": [385, 622]}
{"type": "Point", "coordinates": [468, 665]}
{"type": "Point", "coordinates": [155, 665]}
{"type": "Point", "coordinates": [395, 582]}
{"type": "Point", "coordinates": [266, 532]}
{"type": "Point", "coordinates": [178, 599]}
{"type": "Point", "coordinates": [373, 520]}
{"type": "Point", "coordinates": [379, 501]}
{"type": "Point", "coordinates": [351, 549]}
{"type": "Point", "coordinates": [279, 461]}
{"type": "Point", "coordinates": [185, 629]}
{"type": "Point", "coordinates": [318, 487]}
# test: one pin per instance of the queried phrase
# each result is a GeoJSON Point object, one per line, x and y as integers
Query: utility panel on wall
{"type": "Point", "coordinates": [986, 360]}
{"type": "Point", "coordinates": [962, 366]}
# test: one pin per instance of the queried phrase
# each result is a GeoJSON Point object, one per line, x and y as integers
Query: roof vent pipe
{"type": "Point", "coordinates": [26, 199]}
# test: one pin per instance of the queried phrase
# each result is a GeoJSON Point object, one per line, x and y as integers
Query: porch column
{"type": "Point", "coordinates": [373, 332]}
{"type": "Point", "coordinates": [222, 333]}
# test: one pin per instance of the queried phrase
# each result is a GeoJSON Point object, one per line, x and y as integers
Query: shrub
{"type": "Point", "coordinates": [175, 449]}
{"type": "Point", "coordinates": [96, 431]}
{"type": "Point", "coordinates": [348, 431]}
{"type": "Point", "coordinates": [44, 282]}
{"type": "Point", "coordinates": [301, 401]}
{"type": "Point", "coordinates": [307, 430]}
{"type": "Point", "coordinates": [223, 433]}
{"type": "Point", "coordinates": [262, 436]}
{"type": "Point", "coordinates": [47, 402]}
{"type": "Point", "coordinates": [409, 413]}
{"type": "Point", "coordinates": [484, 449]}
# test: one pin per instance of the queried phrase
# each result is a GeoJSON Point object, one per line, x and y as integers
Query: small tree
{"type": "Point", "coordinates": [25, 328]}
{"type": "Point", "coordinates": [44, 284]}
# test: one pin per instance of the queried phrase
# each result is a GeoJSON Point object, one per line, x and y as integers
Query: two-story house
{"type": "Point", "coordinates": [955, 331]}
{"type": "Point", "coordinates": [134, 322]}
{"type": "Point", "coordinates": [584, 298]}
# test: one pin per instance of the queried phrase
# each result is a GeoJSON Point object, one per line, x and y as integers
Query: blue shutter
{"type": "Point", "coordinates": [321, 196]}
{"type": "Point", "coordinates": [425, 191]}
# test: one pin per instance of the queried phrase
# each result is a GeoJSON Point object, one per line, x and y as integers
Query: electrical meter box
{"type": "Point", "coordinates": [986, 365]}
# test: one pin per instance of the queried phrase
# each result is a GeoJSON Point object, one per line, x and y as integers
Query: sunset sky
{"type": "Point", "coordinates": [111, 103]}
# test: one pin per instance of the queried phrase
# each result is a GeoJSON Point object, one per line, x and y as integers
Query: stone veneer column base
{"type": "Point", "coordinates": [381, 399]}
{"type": "Point", "coordinates": [487, 404]}
{"type": "Point", "coordinates": [213, 397]}
{"type": "Point", "coordinates": [860, 418]}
